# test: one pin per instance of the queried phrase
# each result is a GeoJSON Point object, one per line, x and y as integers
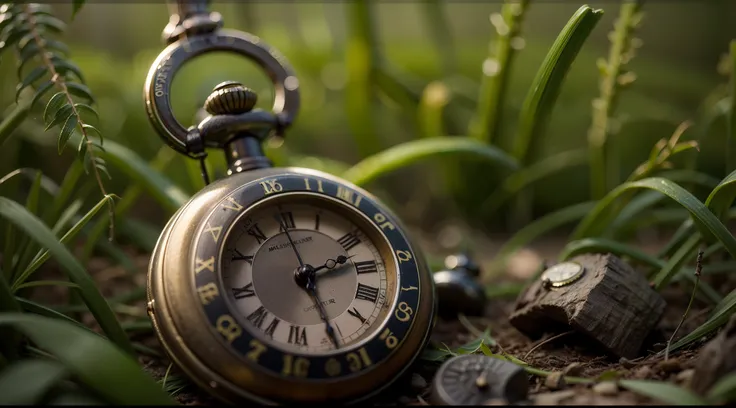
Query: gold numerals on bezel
{"type": "Point", "coordinates": [212, 234]}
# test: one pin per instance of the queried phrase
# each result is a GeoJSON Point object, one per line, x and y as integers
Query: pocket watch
{"type": "Point", "coordinates": [276, 285]}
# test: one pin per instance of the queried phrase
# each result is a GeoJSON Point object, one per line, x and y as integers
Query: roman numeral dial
{"type": "Point", "coordinates": [354, 274]}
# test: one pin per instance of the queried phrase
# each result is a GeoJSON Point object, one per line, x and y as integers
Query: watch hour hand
{"type": "Point", "coordinates": [332, 264]}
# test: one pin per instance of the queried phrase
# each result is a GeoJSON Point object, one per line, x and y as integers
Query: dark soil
{"type": "Point", "coordinates": [549, 354]}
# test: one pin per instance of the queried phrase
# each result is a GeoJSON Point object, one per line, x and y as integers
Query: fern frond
{"type": "Point", "coordinates": [43, 65]}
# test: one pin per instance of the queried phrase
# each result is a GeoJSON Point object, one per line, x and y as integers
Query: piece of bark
{"type": "Point", "coordinates": [611, 303]}
{"type": "Point", "coordinates": [716, 359]}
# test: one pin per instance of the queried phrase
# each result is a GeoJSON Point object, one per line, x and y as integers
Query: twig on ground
{"type": "Point", "coordinates": [543, 342]}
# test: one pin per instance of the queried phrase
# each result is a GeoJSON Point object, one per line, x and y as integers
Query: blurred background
{"type": "Point", "coordinates": [676, 67]}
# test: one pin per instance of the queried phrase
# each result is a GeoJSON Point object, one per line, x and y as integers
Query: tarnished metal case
{"type": "Point", "coordinates": [184, 331]}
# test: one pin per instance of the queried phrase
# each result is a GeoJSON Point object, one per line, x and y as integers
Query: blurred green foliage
{"type": "Point", "coordinates": [114, 44]}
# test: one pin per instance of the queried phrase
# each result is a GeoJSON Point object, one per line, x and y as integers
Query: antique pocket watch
{"type": "Point", "coordinates": [276, 285]}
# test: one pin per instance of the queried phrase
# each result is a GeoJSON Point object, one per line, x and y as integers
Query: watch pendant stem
{"type": "Point", "coordinates": [243, 151]}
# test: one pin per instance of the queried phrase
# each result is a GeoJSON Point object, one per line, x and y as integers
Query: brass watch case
{"type": "Point", "coordinates": [184, 332]}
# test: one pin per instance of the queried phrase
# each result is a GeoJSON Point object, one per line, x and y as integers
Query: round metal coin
{"type": "Point", "coordinates": [472, 379]}
{"type": "Point", "coordinates": [563, 274]}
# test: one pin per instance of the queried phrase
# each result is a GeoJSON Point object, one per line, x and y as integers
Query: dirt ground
{"type": "Point", "coordinates": [549, 354]}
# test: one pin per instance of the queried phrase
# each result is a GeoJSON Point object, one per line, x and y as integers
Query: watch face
{"type": "Point", "coordinates": [307, 278]}
{"type": "Point", "coordinates": [352, 282]}
{"type": "Point", "coordinates": [563, 273]}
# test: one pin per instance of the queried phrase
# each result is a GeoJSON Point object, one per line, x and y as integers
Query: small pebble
{"type": "Point", "coordinates": [669, 366]}
{"type": "Point", "coordinates": [685, 377]}
{"type": "Point", "coordinates": [573, 370]}
{"type": "Point", "coordinates": [606, 388]}
{"type": "Point", "coordinates": [555, 381]}
{"type": "Point", "coordinates": [418, 383]}
{"type": "Point", "coordinates": [643, 372]}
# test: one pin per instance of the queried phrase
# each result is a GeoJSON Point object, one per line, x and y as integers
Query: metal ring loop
{"type": "Point", "coordinates": [157, 89]}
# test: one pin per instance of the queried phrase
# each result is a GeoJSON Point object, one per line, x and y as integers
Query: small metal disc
{"type": "Point", "coordinates": [563, 274]}
{"type": "Point", "coordinates": [472, 379]}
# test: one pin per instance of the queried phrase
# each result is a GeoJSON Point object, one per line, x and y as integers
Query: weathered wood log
{"type": "Point", "coordinates": [610, 303]}
{"type": "Point", "coordinates": [716, 360]}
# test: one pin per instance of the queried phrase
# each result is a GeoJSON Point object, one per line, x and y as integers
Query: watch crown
{"type": "Point", "coordinates": [230, 98]}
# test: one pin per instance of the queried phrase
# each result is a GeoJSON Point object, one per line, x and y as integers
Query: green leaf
{"type": "Point", "coordinates": [34, 284]}
{"type": "Point", "coordinates": [66, 131]}
{"type": "Point", "coordinates": [76, 6]}
{"type": "Point", "coordinates": [64, 67]}
{"type": "Point", "coordinates": [703, 217]}
{"type": "Point", "coordinates": [91, 129]}
{"type": "Point", "coordinates": [721, 313]}
{"type": "Point", "coordinates": [546, 86]}
{"type": "Point", "coordinates": [64, 113]}
{"type": "Point", "coordinates": [93, 360]}
{"type": "Point", "coordinates": [80, 90]}
{"type": "Point", "coordinates": [32, 77]}
{"type": "Point", "coordinates": [86, 108]}
{"type": "Point", "coordinates": [40, 91]}
{"type": "Point", "coordinates": [50, 22]}
{"type": "Point", "coordinates": [36, 229]}
{"type": "Point", "coordinates": [33, 307]}
{"type": "Point", "coordinates": [663, 392]}
{"type": "Point", "coordinates": [15, 36]}
{"type": "Point", "coordinates": [724, 390]}
{"type": "Point", "coordinates": [27, 381]}
{"type": "Point", "coordinates": [11, 122]}
{"type": "Point", "coordinates": [53, 106]}
{"type": "Point", "coordinates": [408, 153]}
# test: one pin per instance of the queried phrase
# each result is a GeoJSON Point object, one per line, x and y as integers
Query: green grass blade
{"type": "Point", "coordinates": [67, 216]}
{"type": "Point", "coordinates": [44, 255]}
{"type": "Point", "coordinates": [720, 315]}
{"type": "Point", "coordinates": [35, 228]}
{"type": "Point", "coordinates": [724, 390]}
{"type": "Point", "coordinates": [439, 30]}
{"type": "Point", "coordinates": [497, 71]}
{"type": "Point", "coordinates": [663, 392]}
{"type": "Point", "coordinates": [34, 284]}
{"type": "Point", "coordinates": [536, 229]}
{"type": "Point", "coordinates": [430, 112]}
{"type": "Point", "coordinates": [27, 382]}
{"type": "Point", "coordinates": [722, 196]}
{"type": "Point", "coordinates": [703, 217]}
{"type": "Point", "coordinates": [26, 246]}
{"type": "Point", "coordinates": [8, 339]}
{"type": "Point", "coordinates": [93, 360]}
{"type": "Point", "coordinates": [39, 309]}
{"type": "Point", "coordinates": [11, 122]}
{"type": "Point", "coordinates": [731, 122]}
{"type": "Point", "coordinates": [325, 164]}
{"type": "Point", "coordinates": [411, 152]}
{"type": "Point", "coordinates": [143, 234]}
{"type": "Point", "coordinates": [684, 254]}
{"type": "Point", "coordinates": [681, 235]}
{"type": "Point", "coordinates": [65, 191]}
{"type": "Point", "coordinates": [547, 84]}
{"type": "Point", "coordinates": [163, 190]}
{"type": "Point", "coordinates": [361, 59]}
{"type": "Point", "coordinates": [523, 178]}
{"type": "Point", "coordinates": [602, 245]}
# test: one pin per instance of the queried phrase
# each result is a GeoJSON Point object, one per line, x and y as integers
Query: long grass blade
{"type": "Point", "coordinates": [11, 122]}
{"type": "Point", "coordinates": [709, 224]}
{"type": "Point", "coordinates": [720, 315]}
{"type": "Point", "coordinates": [408, 153]}
{"type": "Point", "coordinates": [525, 177]}
{"type": "Point", "coordinates": [43, 255]}
{"type": "Point", "coordinates": [602, 245]}
{"type": "Point", "coordinates": [27, 382]}
{"type": "Point", "coordinates": [731, 137]}
{"type": "Point", "coordinates": [93, 360]}
{"type": "Point", "coordinates": [685, 253]}
{"type": "Point", "coordinates": [663, 392]}
{"type": "Point", "coordinates": [547, 84]}
{"type": "Point", "coordinates": [724, 390]}
{"type": "Point", "coordinates": [35, 228]}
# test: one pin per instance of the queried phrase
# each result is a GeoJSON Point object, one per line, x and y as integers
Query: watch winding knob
{"type": "Point", "coordinates": [230, 98]}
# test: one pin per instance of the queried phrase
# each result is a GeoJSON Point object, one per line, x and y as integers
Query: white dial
{"type": "Point", "coordinates": [259, 271]}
